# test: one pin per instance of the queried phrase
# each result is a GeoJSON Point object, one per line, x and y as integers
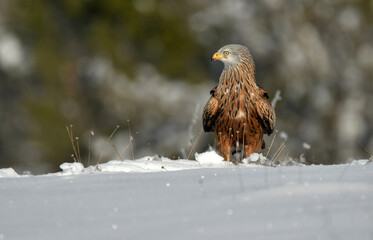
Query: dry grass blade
{"type": "Point", "coordinates": [92, 133]}
{"type": "Point", "coordinates": [71, 137]}
{"type": "Point", "coordinates": [149, 150]}
{"type": "Point", "coordinates": [276, 98]}
{"type": "Point", "coordinates": [366, 150]}
{"type": "Point", "coordinates": [107, 141]}
{"type": "Point", "coordinates": [194, 144]}
{"type": "Point", "coordinates": [270, 146]}
{"type": "Point", "coordinates": [78, 148]}
{"type": "Point", "coordinates": [286, 156]}
{"type": "Point", "coordinates": [243, 141]}
{"type": "Point", "coordinates": [236, 155]}
{"type": "Point", "coordinates": [115, 149]}
{"type": "Point", "coordinates": [278, 152]}
{"type": "Point", "coordinates": [131, 138]}
{"type": "Point", "coordinates": [124, 149]}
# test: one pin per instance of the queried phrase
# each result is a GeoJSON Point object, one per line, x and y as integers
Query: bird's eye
{"type": "Point", "coordinates": [225, 53]}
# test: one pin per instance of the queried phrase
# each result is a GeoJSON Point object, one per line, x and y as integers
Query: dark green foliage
{"type": "Point", "coordinates": [59, 36]}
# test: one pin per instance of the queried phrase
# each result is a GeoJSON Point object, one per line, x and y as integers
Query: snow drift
{"type": "Point", "coordinates": [210, 199]}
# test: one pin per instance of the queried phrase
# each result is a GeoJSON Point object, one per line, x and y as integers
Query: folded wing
{"type": "Point", "coordinates": [210, 112]}
{"type": "Point", "coordinates": [266, 113]}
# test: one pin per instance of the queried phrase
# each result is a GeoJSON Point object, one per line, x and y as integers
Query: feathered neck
{"type": "Point", "coordinates": [240, 74]}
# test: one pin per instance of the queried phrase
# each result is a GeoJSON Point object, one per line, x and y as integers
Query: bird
{"type": "Point", "coordinates": [239, 111]}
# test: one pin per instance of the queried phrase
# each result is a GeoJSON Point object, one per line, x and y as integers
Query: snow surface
{"type": "Point", "coordinates": [209, 199]}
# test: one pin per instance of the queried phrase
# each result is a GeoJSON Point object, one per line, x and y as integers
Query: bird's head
{"type": "Point", "coordinates": [232, 55]}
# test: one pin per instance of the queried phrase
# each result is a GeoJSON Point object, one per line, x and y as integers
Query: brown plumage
{"type": "Point", "coordinates": [238, 110]}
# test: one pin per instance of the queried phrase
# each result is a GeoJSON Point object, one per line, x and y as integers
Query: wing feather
{"type": "Point", "coordinates": [266, 113]}
{"type": "Point", "coordinates": [210, 112]}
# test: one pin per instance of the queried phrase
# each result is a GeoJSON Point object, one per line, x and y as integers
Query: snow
{"type": "Point", "coordinates": [71, 168]}
{"type": "Point", "coordinates": [257, 157]}
{"type": "Point", "coordinates": [8, 172]}
{"type": "Point", "coordinates": [148, 164]}
{"type": "Point", "coordinates": [211, 159]}
{"type": "Point", "coordinates": [159, 198]}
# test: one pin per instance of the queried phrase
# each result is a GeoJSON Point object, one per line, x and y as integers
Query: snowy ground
{"type": "Point", "coordinates": [208, 199]}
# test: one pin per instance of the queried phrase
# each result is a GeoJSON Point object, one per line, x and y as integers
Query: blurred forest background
{"type": "Point", "coordinates": [96, 64]}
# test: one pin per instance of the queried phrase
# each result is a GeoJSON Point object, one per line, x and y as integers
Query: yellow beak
{"type": "Point", "coordinates": [217, 56]}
